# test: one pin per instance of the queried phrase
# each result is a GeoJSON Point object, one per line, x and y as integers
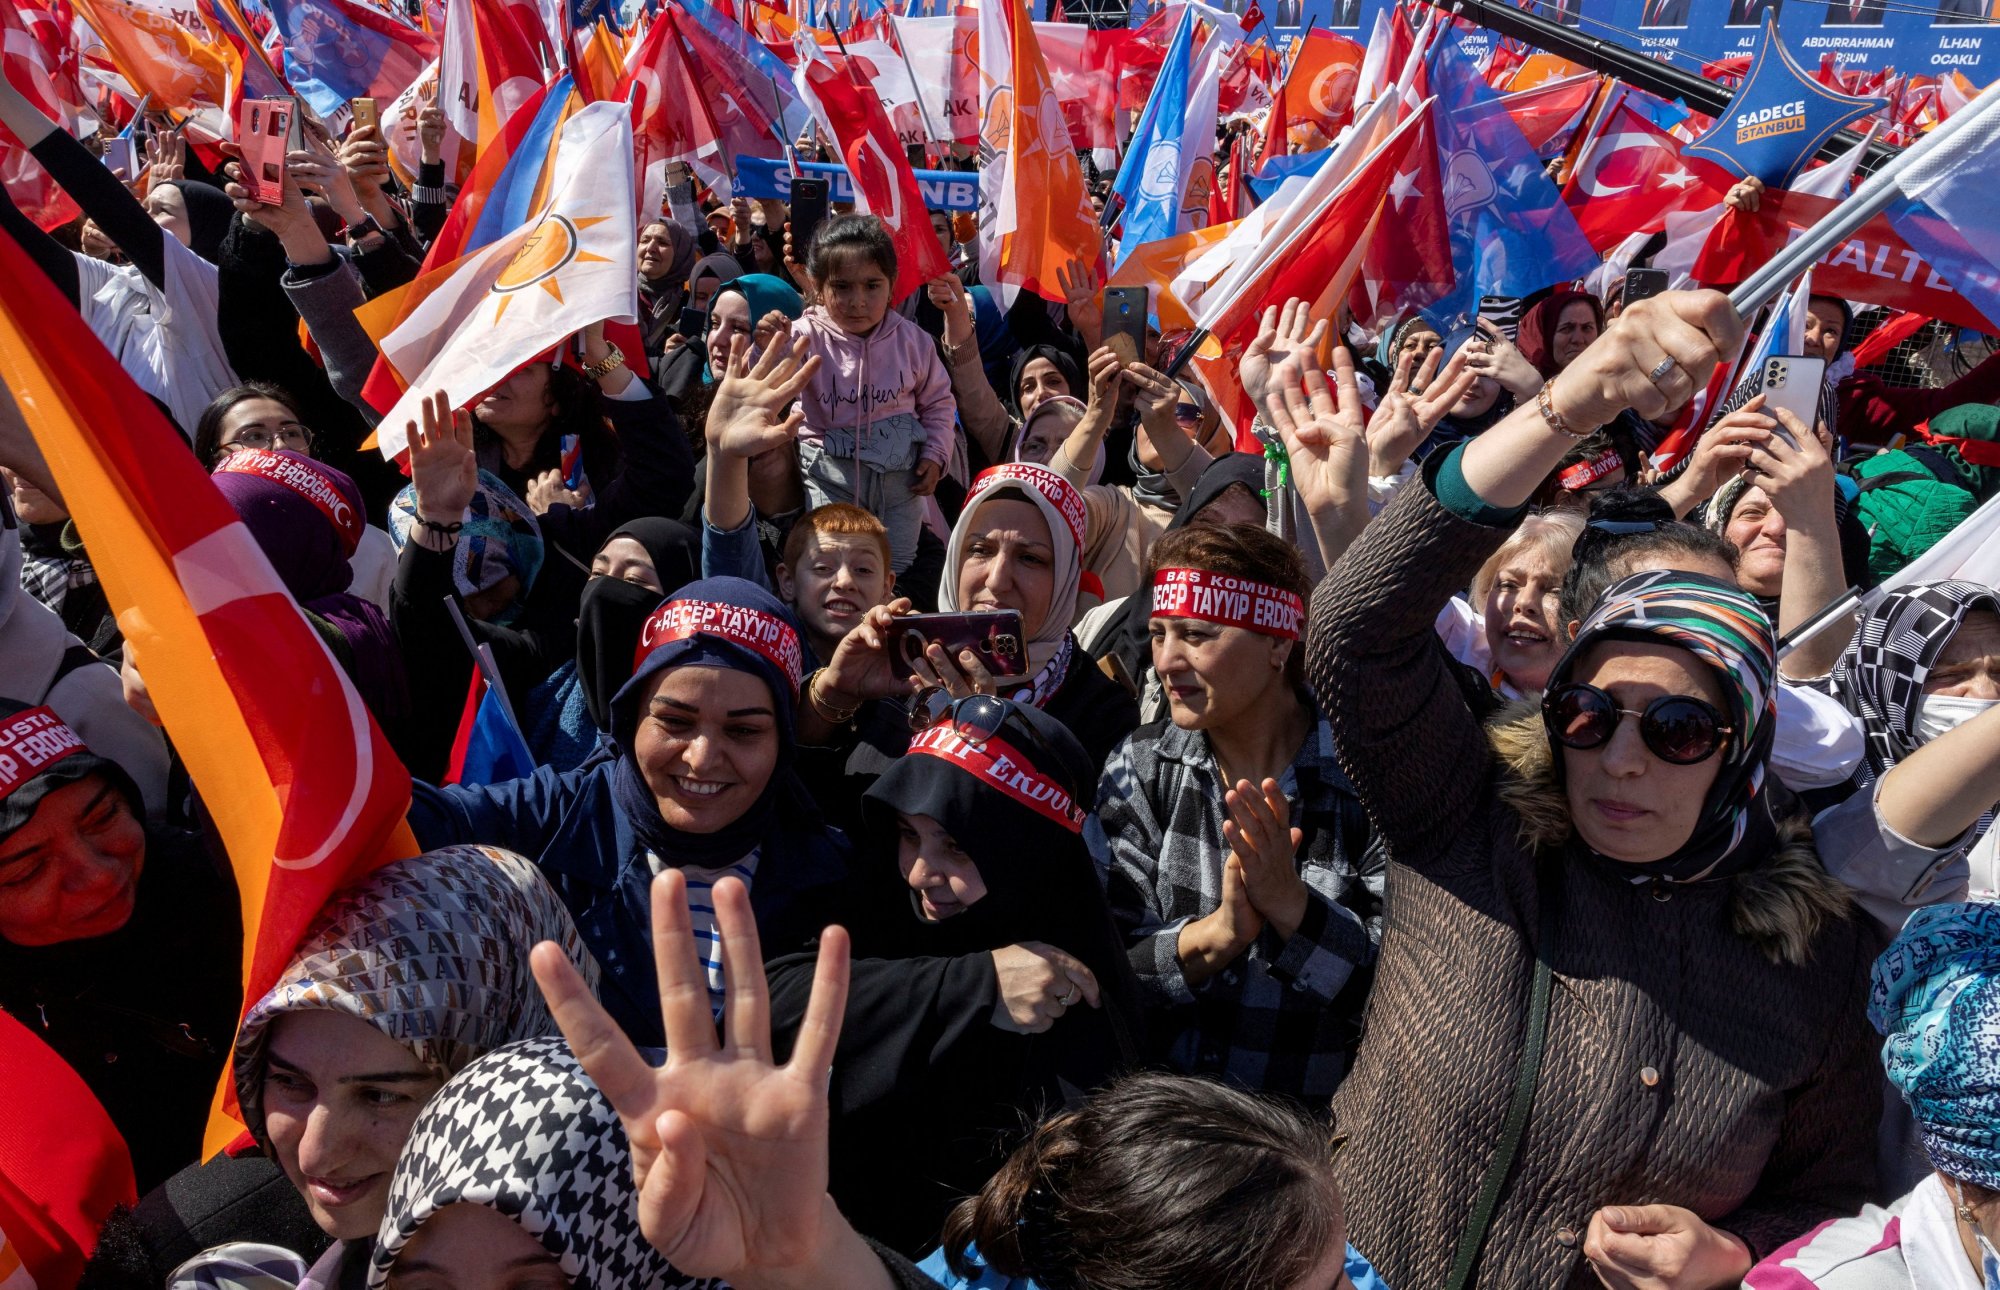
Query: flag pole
{"type": "Point", "coordinates": [784, 126]}
{"type": "Point", "coordinates": [1874, 196]}
{"type": "Point", "coordinates": [932, 140]}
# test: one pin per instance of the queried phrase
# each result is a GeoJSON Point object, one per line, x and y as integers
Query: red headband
{"type": "Point", "coordinates": [30, 743]}
{"type": "Point", "coordinates": [296, 474]}
{"type": "Point", "coordinates": [1053, 488]}
{"type": "Point", "coordinates": [1229, 600]}
{"type": "Point", "coordinates": [1585, 473]}
{"type": "Point", "coordinates": [765, 635]}
{"type": "Point", "coordinates": [995, 762]}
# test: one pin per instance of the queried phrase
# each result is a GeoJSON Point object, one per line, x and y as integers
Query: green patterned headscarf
{"type": "Point", "coordinates": [1727, 632]}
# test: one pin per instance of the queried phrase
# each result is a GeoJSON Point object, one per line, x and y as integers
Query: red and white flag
{"type": "Point", "coordinates": [1632, 175]}
{"type": "Point", "coordinates": [28, 69]}
{"type": "Point", "coordinates": [884, 184]}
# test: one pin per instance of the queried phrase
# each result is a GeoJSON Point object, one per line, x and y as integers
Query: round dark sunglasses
{"type": "Point", "coordinates": [1677, 728]}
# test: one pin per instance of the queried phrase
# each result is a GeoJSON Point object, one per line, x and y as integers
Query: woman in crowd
{"type": "Point", "coordinates": [666, 255]}
{"type": "Point", "coordinates": [261, 417]}
{"type": "Point", "coordinates": [1915, 826]}
{"type": "Point", "coordinates": [1516, 636]}
{"type": "Point", "coordinates": [1238, 871]}
{"type": "Point", "coordinates": [1936, 1000]}
{"type": "Point", "coordinates": [56, 570]}
{"type": "Point", "coordinates": [1017, 545]}
{"type": "Point", "coordinates": [565, 716]}
{"type": "Point", "coordinates": [307, 519]}
{"type": "Point", "coordinates": [699, 780]}
{"type": "Point", "coordinates": [1558, 328]}
{"type": "Point", "coordinates": [542, 1200]}
{"type": "Point", "coordinates": [403, 978]}
{"type": "Point", "coordinates": [1699, 1090]}
{"type": "Point", "coordinates": [989, 985]}
{"type": "Point", "coordinates": [1037, 372]}
{"type": "Point", "coordinates": [120, 942]}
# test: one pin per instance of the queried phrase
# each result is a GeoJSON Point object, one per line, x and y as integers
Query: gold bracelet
{"type": "Point", "coordinates": [827, 711]}
{"type": "Point", "coordinates": [1547, 408]}
{"type": "Point", "coordinates": [605, 366]}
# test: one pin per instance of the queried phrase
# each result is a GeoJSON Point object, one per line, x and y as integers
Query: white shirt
{"type": "Point", "coordinates": [165, 338]}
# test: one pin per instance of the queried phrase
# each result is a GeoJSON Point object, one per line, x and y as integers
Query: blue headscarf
{"type": "Point", "coordinates": [1936, 999]}
{"type": "Point", "coordinates": [501, 537]}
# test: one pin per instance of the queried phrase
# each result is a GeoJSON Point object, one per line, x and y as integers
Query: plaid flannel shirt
{"type": "Point", "coordinates": [1286, 1015]}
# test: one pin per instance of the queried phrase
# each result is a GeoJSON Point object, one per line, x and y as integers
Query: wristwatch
{"type": "Point", "coordinates": [605, 366]}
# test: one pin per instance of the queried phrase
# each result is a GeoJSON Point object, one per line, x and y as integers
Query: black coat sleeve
{"type": "Point", "coordinates": [655, 476]}
{"type": "Point", "coordinates": [110, 205]}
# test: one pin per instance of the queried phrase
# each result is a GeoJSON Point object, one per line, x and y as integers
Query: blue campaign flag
{"type": "Point", "coordinates": [1779, 119]}
{"type": "Point", "coordinates": [1276, 170]}
{"type": "Point", "coordinates": [336, 51]}
{"type": "Point", "coordinates": [495, 752]}
{"type": "Point", "coordinates": [1511, 233]}
{"type": "Point", "coordinates": [768, 177]}
{"type": "Point", "coordinates": [1150, 179]}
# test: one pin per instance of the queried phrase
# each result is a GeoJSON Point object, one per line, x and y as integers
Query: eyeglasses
{"type": "Point", "coordinates": [1187, 413]}
{"type": "Point", "coordinates": [1678, 728]}
{"type": "Point", "coordinates": [289, 435]}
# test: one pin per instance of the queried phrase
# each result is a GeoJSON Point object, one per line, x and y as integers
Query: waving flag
{"type": "Point", "coordinates": [1632, 175]}
{"type": "Point", "coordinates": [1407, 263]}
{"type": "Point", "coordinates": [736, 91]}
{"type": "Point", "coordinates": [27, 69]}
{"type": "Point", "coordinates": [1510, 232]}
{"type": "Point", "coordinates": [336, 50]}
{"type": "Point", "coordinates": [486, 70]}
{"type": "Point", "coordinates": [574, 264]}
{"type": "Point", "coordinates": [668, 123]}
{"type": "Point", "coordinates": [1318, 94]}
{"type": "Point", "coordinates": [300, 784]}
{"type": "Point", "coordinates": [1159, 159]}
{"type": "Point", "coordinates": [1549, 113]}
{"type": "Point", "coordinates": [1947, 211]}
{"type": "Point", "coordinates": [1780, 117]}
{"type": "Point", "coordinates": [884, 184]}
{"type": "Point", "coordinates": [1033, 215]}
{"type": "Point", "coordinates": [194, 73]}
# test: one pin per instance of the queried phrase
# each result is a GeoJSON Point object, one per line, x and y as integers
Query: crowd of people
{"type": "Point", "coordinates": [1419, 866]}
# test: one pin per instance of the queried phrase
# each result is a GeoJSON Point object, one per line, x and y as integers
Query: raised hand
{"type": "Point", "coordinates": [166, 158]}
{"type": "Point", "coordinates": [547, 490]}
{"type": "Point", "coordinates": [1404, 419]}
{"type": "Point", "coordinates": [365, 158]}
{"type": "Point", "coordinates": [430, 132]}
{"type": "Point", "coordinates": [1492, 354]}
{"type": "Point", "coordinates": [1723, 450]}
{"type": "Point", "coordinates": [1154, 394]}
{"type": "Point", "coordinates": [315, 167]}
{"type": "Point", "coordinates": [1322, 428]}
{"type": "Point", "coordinates": [1281, 334]}
{"type": "Point", "coordinates": [1692, 328]}
{"type": "Point", "coordinates": [729, 1149]}
{"type": "Point", "coordinates": [949, 295]}
{"type": "Point", "coordinates": [747, 415]}
{"type": "Point", "coordinates": [444, 472]}
{"type": "Point", "coordinates": [1083, 298]}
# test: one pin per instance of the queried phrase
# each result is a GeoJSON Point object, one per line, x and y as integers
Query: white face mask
{"type": "Point", "coordinates": [1941, 712]}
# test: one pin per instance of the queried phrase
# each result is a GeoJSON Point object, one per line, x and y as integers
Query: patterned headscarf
{"type": "Point", "coordinates": [524, 1132]}
{"type": "Point", "coordinates": [1936, 1000]}
{"type": "Point", "coordinates": [1880, 677]}
{"type": "Point", "coordinates": [501, 537]}
{"type": "Point", "coordinates": [467, 917]}
{"type": "Point", "coordinates": [1725, 630]}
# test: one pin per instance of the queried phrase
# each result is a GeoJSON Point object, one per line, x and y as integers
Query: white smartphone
{"type": "Point", "coordinates": [1792, 382]}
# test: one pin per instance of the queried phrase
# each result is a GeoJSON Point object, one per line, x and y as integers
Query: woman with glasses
{"type": "Point", "coordinates": [260, 417]}
{"type": "Point", "coordinates": [1616, 1034]}
{"type": "Point", "coordinates": [988, 986]}
{"type": "Point", "coordinates": [1239, 870]}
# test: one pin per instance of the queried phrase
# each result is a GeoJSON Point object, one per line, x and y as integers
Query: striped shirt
{"type": "Point", "coordinates": [701, 911]}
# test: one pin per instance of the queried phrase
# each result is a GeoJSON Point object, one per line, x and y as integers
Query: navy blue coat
{"type": "Point", "coordinates": [569, 824]}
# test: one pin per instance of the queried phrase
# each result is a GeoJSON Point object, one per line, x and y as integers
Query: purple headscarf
{"type": "Point", "coordinates": [307, 516]}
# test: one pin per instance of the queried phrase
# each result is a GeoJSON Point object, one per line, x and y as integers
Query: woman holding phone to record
{"type": "Point", "coordinates": [1016, 547]}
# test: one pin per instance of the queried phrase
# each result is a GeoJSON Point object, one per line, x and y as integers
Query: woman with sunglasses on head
{"type": "Point", "coordinates": [1936, 1000]}
{"type": "Point", "coordinates": [1615, 993]}
{"type": "Point", "coordinates": [989, 985]}
{"type": "Point", "coordinates": [1238, 868]}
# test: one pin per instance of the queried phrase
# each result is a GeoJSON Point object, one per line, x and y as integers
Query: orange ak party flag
{"type": "Point", "coordinates": [302, 788]}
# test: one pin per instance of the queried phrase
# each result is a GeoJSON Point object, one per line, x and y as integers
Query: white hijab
{"type": "Point", "coordinates": [1062, 507]}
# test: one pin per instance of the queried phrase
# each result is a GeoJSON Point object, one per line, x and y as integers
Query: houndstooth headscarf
{"type": "Point", "coordinates": [433, 952]}
{"type": "Point", "coordinates": [523, 1131]}
{"type": "Point", "coordinates": [1880, 678]}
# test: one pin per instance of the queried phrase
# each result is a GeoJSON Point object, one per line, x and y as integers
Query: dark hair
{"type": "Point", "coordinates": [1846, 317]}
{"type": "Point", "coordinates": [1618, 536]}
{"type": "Point", "coordinates": [1158, 1181]}
{"type": "Point", "coordinates": [1242, 551]}
{"type": "Point", "coordinates": [576, 407]}
{"type": "Point", "coordinates": [208, 430]}
{"type": "Point", "coordinates": [851, 235]}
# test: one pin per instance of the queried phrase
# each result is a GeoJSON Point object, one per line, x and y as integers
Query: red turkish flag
{"type": "Point", "coordinates": [884, 184]}
{"type": "Point", "coordinates": [1408, 261]}
{"type": "Point", "coordinates": [29, 70]}
{"type": "Point", "coordinates": [1632, 175]}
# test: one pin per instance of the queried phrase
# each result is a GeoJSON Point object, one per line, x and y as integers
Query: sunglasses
{"type": "Point", "coordinates": [977, 718]}
{"type": "Point", "coordinates": [1677, 728]}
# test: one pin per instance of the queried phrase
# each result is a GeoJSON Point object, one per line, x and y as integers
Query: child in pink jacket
{"type": "Point", "coordinates": [879, 416]}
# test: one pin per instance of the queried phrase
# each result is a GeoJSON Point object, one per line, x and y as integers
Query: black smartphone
{"type": "Point", "coordinates": [1125, 322]}
{"type": "Point", "coordinates": [994, 634]}
{"type": "Point", "coordinates": [693, 323]}
{"type": "Point", "coordinates": [808, 212]}
{"type": "Point", "coordinates": [1643, 284]}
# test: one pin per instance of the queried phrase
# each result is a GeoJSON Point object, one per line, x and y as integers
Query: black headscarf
{"type": "Point", "coordinates": [613, 610]}
{"type": "Point", "coordinates": [208, 210]}
{"type": "Point", "coordinates": [1065, 362]}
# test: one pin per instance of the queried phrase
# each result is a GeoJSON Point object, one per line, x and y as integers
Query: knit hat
{"type": "Point", "coordinates": [433, 952]}
{"type": "Point", "coordinates": [1968, 436]}
{"type": "Point", "coordinates": [501, 537]}
{"type": "Point", "coordinates": [525, 1133]}
{"type": "Point", "coordinates": [1936, 1000]}
{"type": "Point", "coordinates": [1908, 515]}
{"type": "Point", "coordinates": [40, 753]}
{"type": "Point", "coordinates": [1725, 630]}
